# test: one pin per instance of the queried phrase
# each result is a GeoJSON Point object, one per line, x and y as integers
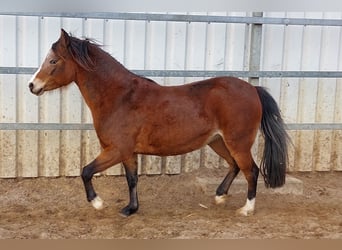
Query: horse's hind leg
{"type": "Point", "coordinates": [251, 172]}
{"type": "Point", "coordinates": [220, 148]}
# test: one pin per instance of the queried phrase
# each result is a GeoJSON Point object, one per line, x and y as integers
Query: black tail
{"type": "Point", "coordinates": [275, 157]}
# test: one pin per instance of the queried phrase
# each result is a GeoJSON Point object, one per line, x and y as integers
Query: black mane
{"type": "Point", "coordinates": [80, 50]}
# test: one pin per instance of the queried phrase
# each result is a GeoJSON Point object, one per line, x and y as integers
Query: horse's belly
{"type": "Point", "coordinates": [172, 143]}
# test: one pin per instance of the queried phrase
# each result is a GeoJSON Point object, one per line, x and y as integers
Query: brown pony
{"type": "Point", "coordinates": [134, 115]}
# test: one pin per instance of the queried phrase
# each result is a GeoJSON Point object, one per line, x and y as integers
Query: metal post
{"type": "Point", "coordinates": [255, 49]}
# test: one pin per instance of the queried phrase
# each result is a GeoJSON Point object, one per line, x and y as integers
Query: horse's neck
{"type": "Point", "coordinates": [104, 85]}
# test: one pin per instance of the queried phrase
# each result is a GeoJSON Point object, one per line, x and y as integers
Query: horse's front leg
{"type": "Point", "coordinates": [131, 169]}
{"type": "Point", "coordinates": [106, 159]}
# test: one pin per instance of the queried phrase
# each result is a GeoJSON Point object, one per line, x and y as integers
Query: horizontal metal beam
{"type": "Point", "coordinates": [46, 126]}
{"type": "Point", "coordinates": [237, 73]}
{"type": "Point", "coordinates": [314, 126]}
{"type": "Point", "coordinates": [17, 70]}
{"type": "Point", "coordinates": [183, 18]}
{"type": "Point", "coordinates": [89, 126]}
{"type": "Point", "coordinates": [205, 73]}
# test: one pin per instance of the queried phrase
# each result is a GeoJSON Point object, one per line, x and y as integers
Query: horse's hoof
{"type": "Point", "coordinates": [247, 209]}
{"type": "Point", "coordinates": [220, 199]}
{"type": "Point", "coordinates": [127, 211]}
{"type": "Point", "coordinates": [244, 212]}
{"type": "Point", "coordinates": [97, 203]}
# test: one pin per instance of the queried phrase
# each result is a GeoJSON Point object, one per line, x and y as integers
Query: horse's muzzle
{"type": "Point", "coordinates": [34, 90]}
{"type": "Point", "coordinates": [31, 86]}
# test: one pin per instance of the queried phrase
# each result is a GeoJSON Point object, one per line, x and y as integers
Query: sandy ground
{"type": "Point", "coordinates": [170, 207]}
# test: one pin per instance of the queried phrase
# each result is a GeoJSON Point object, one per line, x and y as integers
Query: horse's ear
{"type": "Point", "coordinates": [64, 38]}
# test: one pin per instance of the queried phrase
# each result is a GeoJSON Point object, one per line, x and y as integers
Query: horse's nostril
{"type": "Point", "coordinates": [31, 85]}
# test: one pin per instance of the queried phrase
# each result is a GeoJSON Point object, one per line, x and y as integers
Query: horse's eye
{"type": "Point", "coordinates": [53, 61]}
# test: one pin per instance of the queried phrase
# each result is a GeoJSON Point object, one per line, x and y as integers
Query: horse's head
{"type": "Point", "coordinates": [57, 70]}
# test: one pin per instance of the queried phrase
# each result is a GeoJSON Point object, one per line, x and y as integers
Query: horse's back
{"type": "Point", "coordinates": [229, 92]}
{"type": "Point", "coordinates": [219, 97]}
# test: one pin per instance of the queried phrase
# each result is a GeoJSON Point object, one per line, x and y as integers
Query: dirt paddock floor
{"type": "Point", "coordinates": [170, 207]}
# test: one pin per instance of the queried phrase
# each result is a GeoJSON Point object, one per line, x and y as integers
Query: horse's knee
{"type": "Point", "coordinates": [132, 180]}
{"type": "Point", "coordinates": [87, 173]}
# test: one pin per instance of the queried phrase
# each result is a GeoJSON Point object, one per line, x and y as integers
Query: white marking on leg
{"type": "Point", "coordinates": [220, 199]}
{"type": "Point", "coordinates": [97, 203]}
{"type": "Point", "coordinates": [248, 208]}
